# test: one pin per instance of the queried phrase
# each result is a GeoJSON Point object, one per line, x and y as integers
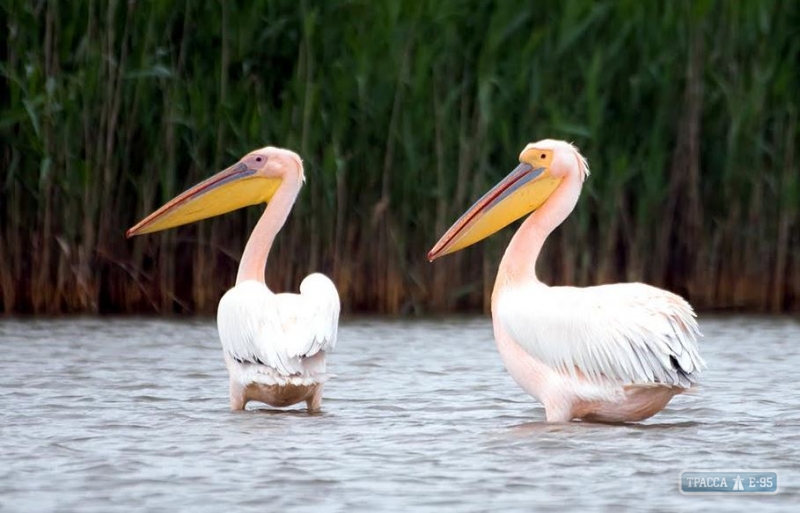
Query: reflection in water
{"type": "Point", "coordinates": [132, 414]}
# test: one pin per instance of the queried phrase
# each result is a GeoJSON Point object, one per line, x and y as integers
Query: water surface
{"type": "Point", "coordinates": [132, 415]}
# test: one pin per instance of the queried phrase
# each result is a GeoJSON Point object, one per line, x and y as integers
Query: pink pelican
{"type": "Point", "coordinates": [611, 353]}
{"type": "Point", "coordinates": [274, 345]}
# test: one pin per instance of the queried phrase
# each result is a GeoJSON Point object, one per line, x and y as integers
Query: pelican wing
{"type": "Point", "coordinates": [279, 330]}
{"type": "Point", "coordinates": [311, 318]}
{"type": "Point", "coordinates": [630, 332]}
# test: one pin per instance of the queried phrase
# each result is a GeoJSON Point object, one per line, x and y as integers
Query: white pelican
{"type": "Point", "coordinates": [612, 353]}
{"type": "Point", "coordinates": [274, 345]}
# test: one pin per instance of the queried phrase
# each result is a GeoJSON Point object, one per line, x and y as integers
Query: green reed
{"type": "Point", "coordinates": [404, 113]}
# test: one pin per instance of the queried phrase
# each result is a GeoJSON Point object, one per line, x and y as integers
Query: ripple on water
{"type": "Point", "coordinates": [131, 414]}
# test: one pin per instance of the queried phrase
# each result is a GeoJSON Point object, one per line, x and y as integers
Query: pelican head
{"type": "Point", "coordinates": [542, 167]}
{"type": "Point", "coordinates": [252, 180]}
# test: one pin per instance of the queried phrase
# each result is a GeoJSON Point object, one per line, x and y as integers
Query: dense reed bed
{"type": "Point", "coordinates": [404, 113]}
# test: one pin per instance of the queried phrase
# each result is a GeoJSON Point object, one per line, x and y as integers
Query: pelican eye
{"type": "Point", "coordinates": [543, 155]}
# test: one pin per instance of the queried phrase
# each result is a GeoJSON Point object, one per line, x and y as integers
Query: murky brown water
{"type": "Point", "coordinates": [132, 415]}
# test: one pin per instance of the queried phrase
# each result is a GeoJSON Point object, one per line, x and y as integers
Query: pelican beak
{"type": "Point", "coordinates": [524, 190]}
{"type": "Point", "coordinates": [236, 187]}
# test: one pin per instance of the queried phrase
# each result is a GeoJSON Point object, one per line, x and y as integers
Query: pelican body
{"type": "Point", "coordinates": [274, 345]}
{"type": "Point", "coordinates": [610, 353]}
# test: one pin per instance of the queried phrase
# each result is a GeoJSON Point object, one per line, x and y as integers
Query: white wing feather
{"type": "Point", "coordinates": [631, 332]}
{"type": "Point", "coordinates": [279, 330]}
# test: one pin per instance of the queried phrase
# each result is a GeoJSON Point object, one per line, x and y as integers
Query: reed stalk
{"type": "Point", "coordinates": [404, 113]}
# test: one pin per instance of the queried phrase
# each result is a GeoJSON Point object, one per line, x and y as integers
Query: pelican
{"type": "Point", "coordinates": [610, 353]}
{"type": "Point", "coordinates": [274, 345]}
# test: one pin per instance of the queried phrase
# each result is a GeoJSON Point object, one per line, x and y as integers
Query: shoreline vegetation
{"type": "Point", "coordinates": [404, 113]}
